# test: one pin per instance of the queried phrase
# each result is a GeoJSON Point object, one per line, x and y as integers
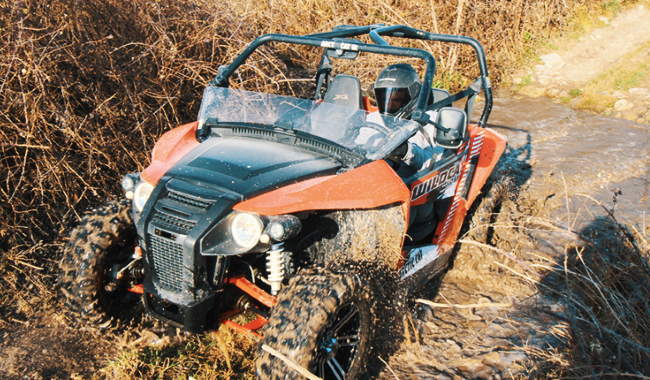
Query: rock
{"type": "Point", "coordinates": [604, 19]}
{"type": "Point", "coordinates": [553, 60]}
{"type": "Point", "coordinates": [619, 94]}
{"type": "Point", "coordinates": [640, 92]}
{"type": "Point", "coordinates": [533, 91]}
{"type": "Point", "coordinates": [553, 92]}
{"type": "Point", "coordinates": [472, 368]}
{"type": "Point", "coordinates": [623, 105]}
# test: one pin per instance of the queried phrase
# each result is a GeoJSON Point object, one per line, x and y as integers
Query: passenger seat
{"type": "Point", "coordinates": [344, 90]}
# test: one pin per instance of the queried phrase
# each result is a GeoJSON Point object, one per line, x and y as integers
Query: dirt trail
{"type": "Point", "coordinates": [606, 70]}
{"type": "Point", "coordinates": [587, 57]}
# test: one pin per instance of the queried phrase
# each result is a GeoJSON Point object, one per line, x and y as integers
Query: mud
{"type": "Point", "coordinates": [577, 155]}
{"type": "Point", "coordinates": [362, 236]}
{"type": "Point", "coordinates": [508, 307]}
{"type": "Point", "coordinates": [47, 348]}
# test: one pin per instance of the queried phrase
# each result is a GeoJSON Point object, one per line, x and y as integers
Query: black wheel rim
{"type": "Point", "coordinates": [339, 344]}
{"type": "Point", "coordinates": [113, 293]}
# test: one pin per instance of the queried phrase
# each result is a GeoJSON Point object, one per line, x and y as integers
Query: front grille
{"type": "Point", "coordinates": [167, 257]}
{"type": "Point", "coordinates": [172, 222]}
{"type": "Point", "coordinates": [189, 200]}
{"type": "Point", "coordinates": [176, 215]}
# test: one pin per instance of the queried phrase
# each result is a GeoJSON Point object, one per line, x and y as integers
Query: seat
{"type": "Point", "coordinates": [438, 95]}
{"type": "Point", "coordinates": [341, 108]}
{"type": "Point", "coordinates": [344, 90]}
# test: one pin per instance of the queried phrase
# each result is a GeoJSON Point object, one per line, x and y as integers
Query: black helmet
{"type": "Point", "coordinates": [396, 86]}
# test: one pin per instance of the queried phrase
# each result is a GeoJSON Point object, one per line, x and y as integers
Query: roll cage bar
{"type": "Point", "coordinates": [338, 40]}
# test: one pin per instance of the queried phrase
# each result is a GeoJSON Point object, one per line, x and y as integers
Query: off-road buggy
{"type": "Point", "coordinates": [275, 206]}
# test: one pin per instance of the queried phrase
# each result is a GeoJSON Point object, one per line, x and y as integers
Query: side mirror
{"type": "Point", "coordinates": [451, 127]}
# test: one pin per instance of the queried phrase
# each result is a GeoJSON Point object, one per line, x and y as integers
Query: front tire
{"type": "Point", "coordinates": [322, 322]}
{"type": "Point", "coordinates": [98, 248]}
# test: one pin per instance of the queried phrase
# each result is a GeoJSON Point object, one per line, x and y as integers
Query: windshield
{"type": "Point", "coordinates": [371, 135]}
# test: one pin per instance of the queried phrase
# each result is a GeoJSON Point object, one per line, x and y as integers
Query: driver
{"type": "Point", "coordinates": [396, 91]}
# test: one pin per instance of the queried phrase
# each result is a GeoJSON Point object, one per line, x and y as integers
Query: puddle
{"type": "Point", "coordinates": [579, 155]}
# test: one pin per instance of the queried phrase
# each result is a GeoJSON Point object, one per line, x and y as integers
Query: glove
{"type": "Point", "coordinates": [398, 154]}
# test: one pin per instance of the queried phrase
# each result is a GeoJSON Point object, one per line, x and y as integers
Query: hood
{"type": "Point", "coordinates": [247, 166]}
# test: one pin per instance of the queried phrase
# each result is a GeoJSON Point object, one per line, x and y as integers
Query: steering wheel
{"type": "Point", "coordinates": [378, 127]}
{"type": "Point", "coordinates": [375, 139]}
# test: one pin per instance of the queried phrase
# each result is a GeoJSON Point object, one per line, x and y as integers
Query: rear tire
{"type": "Point", "coordinates": [487, 207]}
{"type": "Point", "coordinates": [322, 322]}
{"type": "Point", "coordinates": [100, 245]}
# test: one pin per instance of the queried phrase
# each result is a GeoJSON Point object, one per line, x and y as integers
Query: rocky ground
{"type": "Point", "coordinates": [606, 70]}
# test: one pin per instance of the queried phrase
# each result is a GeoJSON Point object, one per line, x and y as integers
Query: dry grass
{"type": "Point", "coordinates": [539, 300]}
{"type": "Point", "coordinates": [222, 354]}
{"type": "Point", "coordinates": [88, 86]}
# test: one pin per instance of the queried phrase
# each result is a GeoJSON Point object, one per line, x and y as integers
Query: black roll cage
{"type": "Point", "coordinates": [336, 40]}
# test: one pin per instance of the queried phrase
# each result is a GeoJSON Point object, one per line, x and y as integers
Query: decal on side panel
{"type": "Point", "coordinates": [440, 179]}
{"type": "Point", "coordinates": [418, 258]}
{"type": "Point", "coordinates": [475, 146]}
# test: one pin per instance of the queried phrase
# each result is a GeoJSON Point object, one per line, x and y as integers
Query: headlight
{"type": "Point", "coordinates": [128, 184]}
{"type": "Point", "coordinates": [283, 227]}
{"type": "Point", "coordinates": [141, 194]}
{"type": "Point", "coordinates": [246, 230]}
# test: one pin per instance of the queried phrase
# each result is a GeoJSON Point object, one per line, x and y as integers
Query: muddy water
{"type": "Point", "coordinates": [575, 155]}
{"type": "Point", "coordinates": [566, 165]}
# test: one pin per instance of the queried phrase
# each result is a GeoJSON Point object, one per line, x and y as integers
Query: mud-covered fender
{"type": "Point", "coordinates": [371, 210]}
{"type": "Point", "coordinates": [171, 147]}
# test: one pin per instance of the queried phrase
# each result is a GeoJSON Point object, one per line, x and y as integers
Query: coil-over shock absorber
{"type": "Point", "coordinates": [278, 262]}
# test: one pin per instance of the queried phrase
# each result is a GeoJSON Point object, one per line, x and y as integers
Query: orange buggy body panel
{"type": "Point", "coordinates": [369, 186]}
{"type": "Point", "coordinates": [171, 147]}
{"type": "Point", "coordinates": [494, 144]}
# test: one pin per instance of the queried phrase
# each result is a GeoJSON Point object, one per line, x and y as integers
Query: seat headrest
{"type": "Point", "coordinates": [344, 90]}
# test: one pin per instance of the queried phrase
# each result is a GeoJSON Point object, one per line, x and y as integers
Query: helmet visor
{"type": "Point", "coordinates": [391, 100]}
